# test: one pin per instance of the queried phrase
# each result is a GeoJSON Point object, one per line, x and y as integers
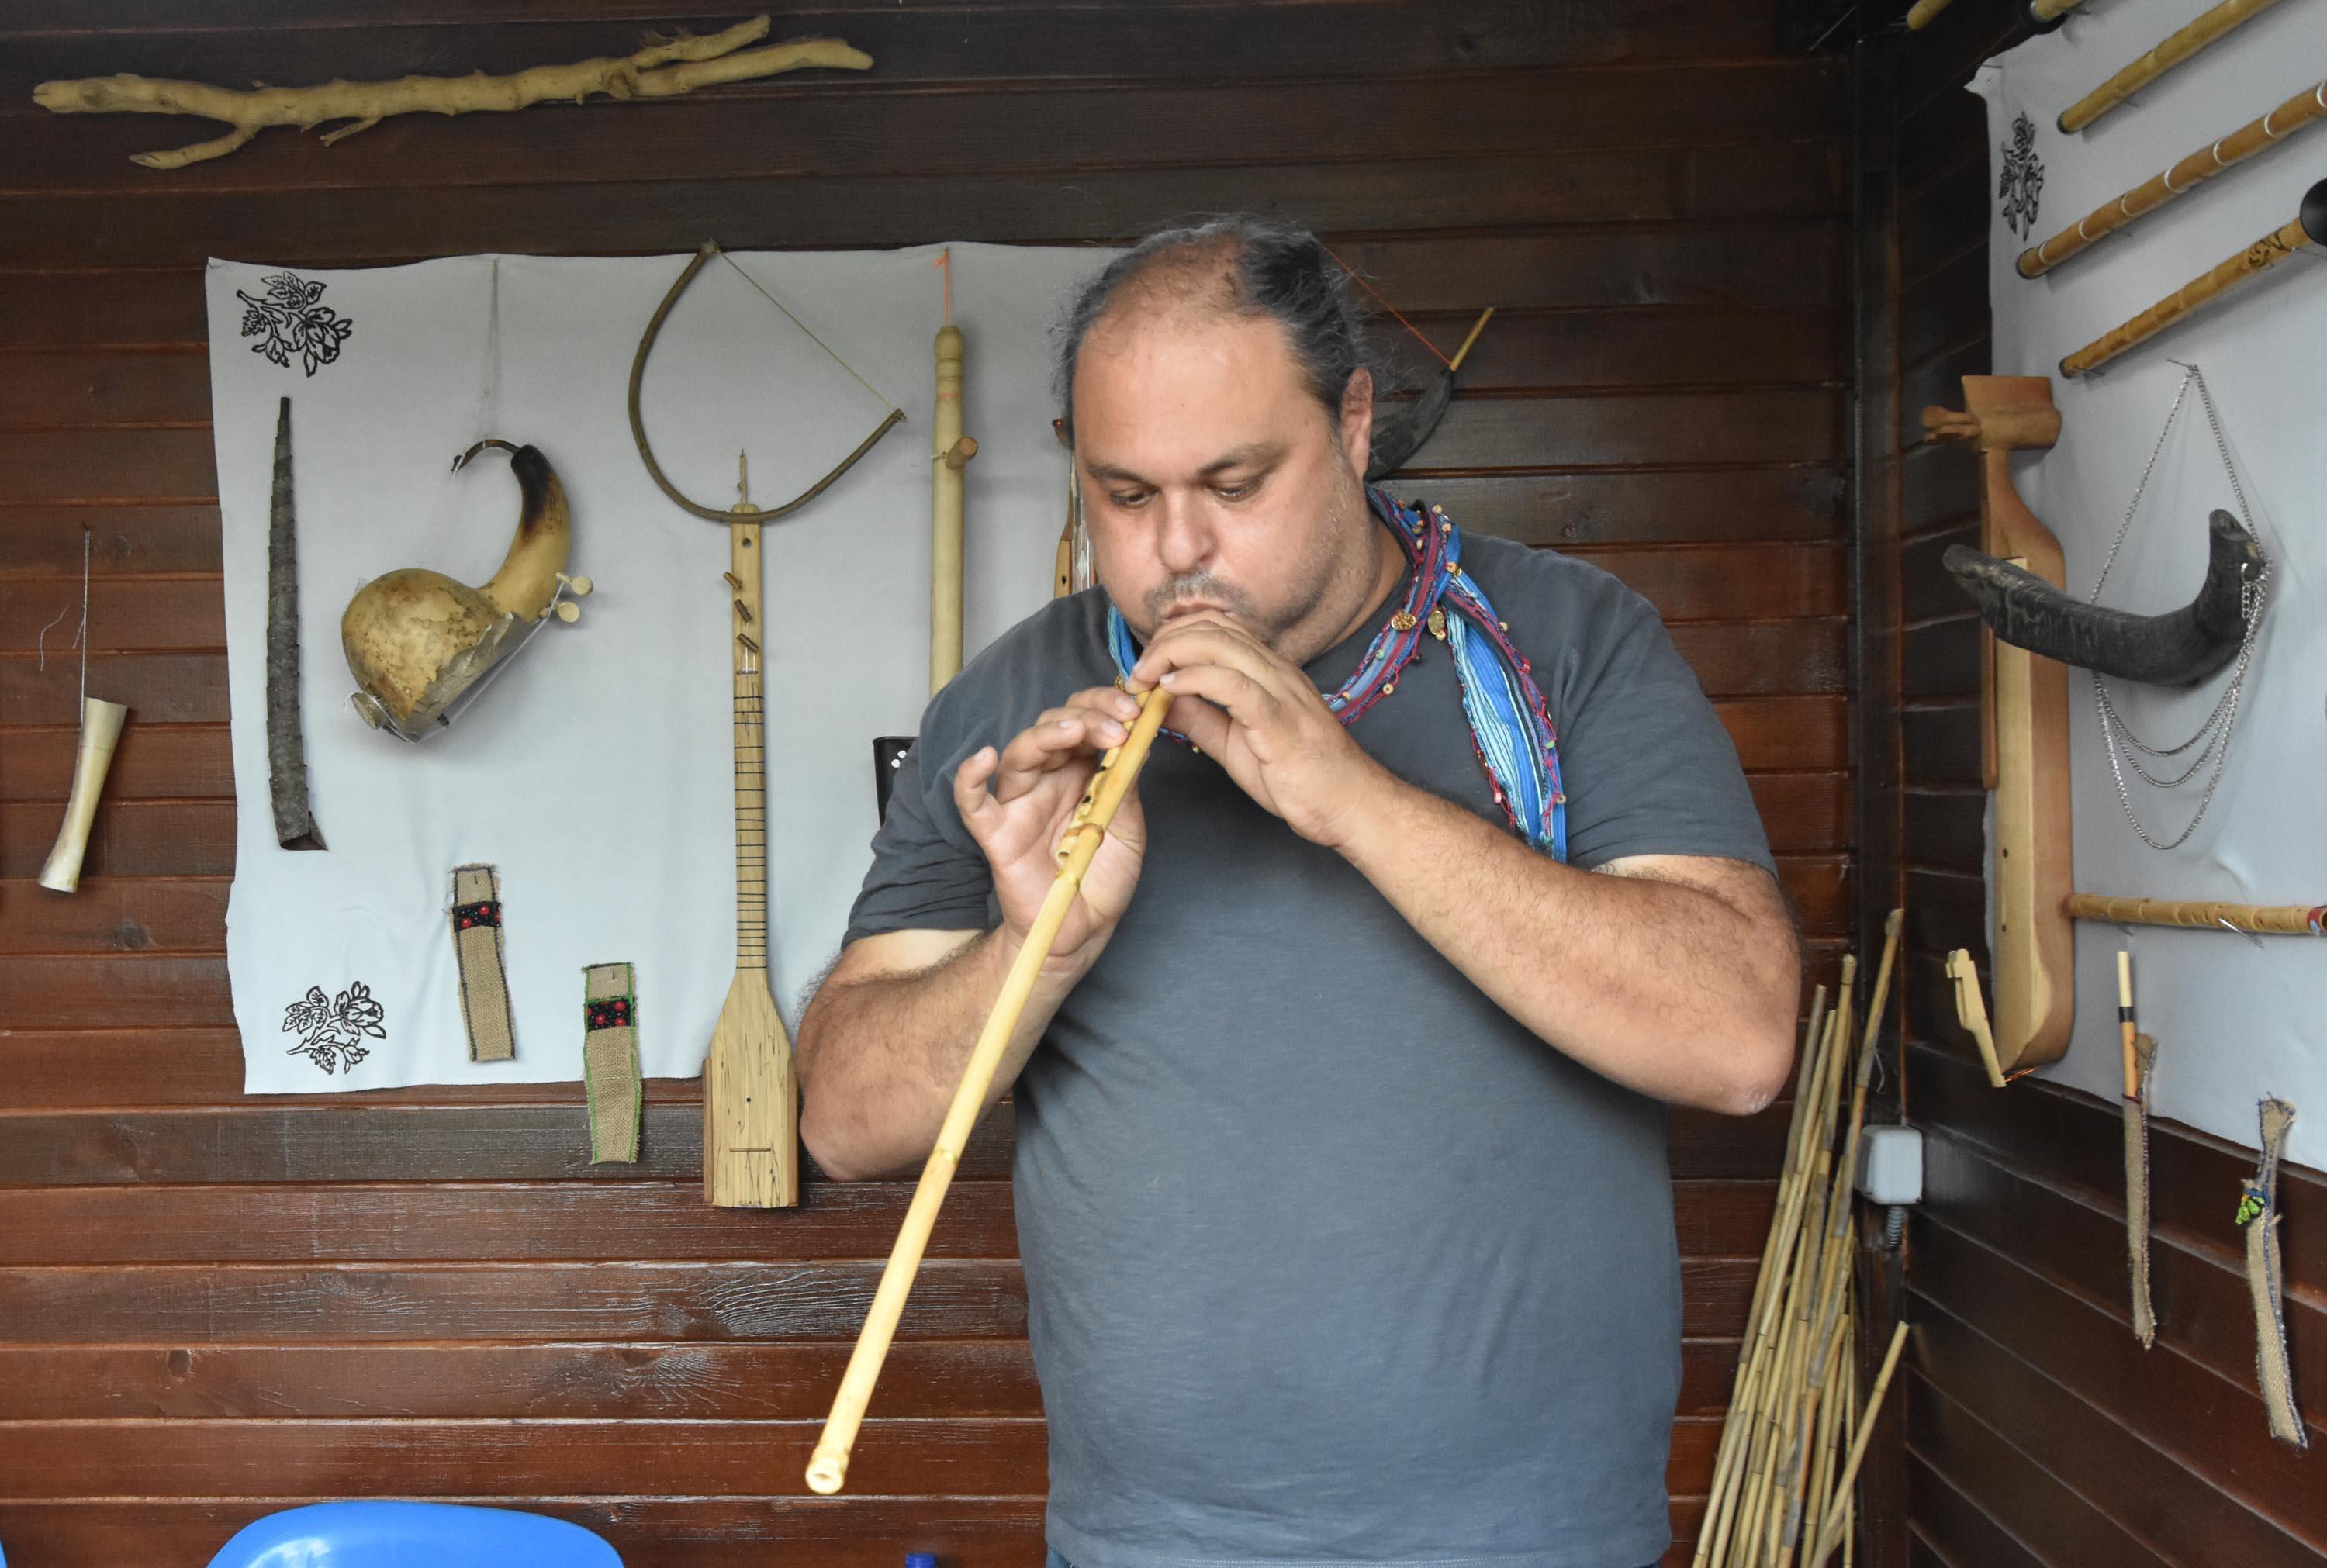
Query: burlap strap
{"type": "Point", "coordinates": [477, 949]}
{"type": "Point", "coordinates": [2137, 1189]}
{"type": "Point", "coordinates": [610, 1061]}
{"type": "Point", "coordinates": [2258, 1212]}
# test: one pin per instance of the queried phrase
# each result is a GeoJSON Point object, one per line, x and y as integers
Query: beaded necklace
{"type": "Point", "coordinates": [1511, 732]}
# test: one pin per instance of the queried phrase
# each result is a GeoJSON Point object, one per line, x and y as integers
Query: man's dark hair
{"type": "Point", "coordinates": [1249, 267]}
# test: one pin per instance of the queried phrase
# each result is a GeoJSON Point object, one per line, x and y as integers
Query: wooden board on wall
{"type": "Point", "coordinates": [210, 1307]}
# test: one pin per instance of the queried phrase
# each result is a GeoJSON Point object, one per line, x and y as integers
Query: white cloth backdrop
{"type": "Point", "coordinates": [594, 772]}
{"type": "Point", "coordinates": [2236, 1017]}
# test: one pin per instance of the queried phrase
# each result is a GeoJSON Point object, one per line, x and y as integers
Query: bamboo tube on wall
{"type": "Point", "coordinates": [2306, 228]}
{"type": "Point", "coordinates": [2257, 919]}
{"type": "Point", "coordinates": [2043, 11]}
{"type": "Point", "coordinates": [952, 453]}
{"type": "Point", "coordinates": [1922, 13]}
{"type": "Point", "coordinates": [2282, 122]}
{"type": "Point", "coordinates": [2179, 47]}
{"type": "Point", "coordinates": [100, 732]}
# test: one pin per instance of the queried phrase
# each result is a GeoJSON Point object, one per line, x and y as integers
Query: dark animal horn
{"type": "Point", "coordinates": [2174, 649]}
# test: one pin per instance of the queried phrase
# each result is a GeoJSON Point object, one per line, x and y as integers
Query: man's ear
{"type": "Point", "coordinates": [1357, 419]}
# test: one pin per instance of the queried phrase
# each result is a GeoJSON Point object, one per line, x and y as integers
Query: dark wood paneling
{"type": "Point", "coordinates": [432, 1285]}
{"type": "Point", "coordinates": [1026, 39]}
{"type": "Point", "coordinates": [833, 127]}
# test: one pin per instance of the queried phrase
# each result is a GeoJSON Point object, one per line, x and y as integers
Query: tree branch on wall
{"type": "Point", "coordinates": [661, 68]}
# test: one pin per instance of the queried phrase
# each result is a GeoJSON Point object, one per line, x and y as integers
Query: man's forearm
{"type": "Point", "coordinates": [881, 1057]}
{"type": "Point", "coordinates": [1668, 989]}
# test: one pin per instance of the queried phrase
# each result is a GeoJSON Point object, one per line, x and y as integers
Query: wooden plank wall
{"type": "Point", "coordinates": [210, 1307]}
{"type": "Point", "coordinates": [2037, 1431]}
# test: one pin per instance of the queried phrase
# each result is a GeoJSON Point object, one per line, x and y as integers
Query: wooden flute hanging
{"type": "Point", "coordinates": [951, 453]}
{"type": "Point", "coordinates": [751, 1106]}
{"type": "Point", "coordinates": [2306, 228]}
{"type": "Point", "coordinates": [2224, 152]}
{"type": "Point", "coordinates": [2254, 920]}
{"type": "Point", "coordinates": [2177, 48]}
{"type": "Point", "coordinates": [100, 732]}
{"type": "Point", "coordinates": [1110, 783]}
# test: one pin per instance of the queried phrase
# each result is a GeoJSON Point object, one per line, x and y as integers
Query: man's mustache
{"type": "Point", "coordinates": [1196, 585]}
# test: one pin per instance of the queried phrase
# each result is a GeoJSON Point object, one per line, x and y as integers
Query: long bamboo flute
{"type": "Point", "coordinates": [1764, 1332]}
{"type": "Point", "coordinates": [1831, 1529]}
{"type": "Point", "coordinates": [2178, 47]}
{"type": "Point", "coordinates": [2306, 228]}
{"type": "Point", "coordinates": [1778, 1343]}
{"type": "Point", "coordinates": [2257, 919]}
{"type": "Point", "coordinates": [828, 1467]}
{"type": "Point", "coordinates": [2224, 152]}
{"type": "Point", "coordinates": [1810, 1097]}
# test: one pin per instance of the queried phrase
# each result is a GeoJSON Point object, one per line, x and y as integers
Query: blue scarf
{"type": "Point", "coordinates": [1510, 728]}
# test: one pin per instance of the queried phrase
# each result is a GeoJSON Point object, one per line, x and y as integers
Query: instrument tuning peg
{"type": "Point", "coordinates": [577, 586]}
{"type": "Point", "coordinates": [568, 611]}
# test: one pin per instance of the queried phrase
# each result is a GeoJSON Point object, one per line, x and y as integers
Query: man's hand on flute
{"type": "Point", "coordinates": [908, 1003]}
{"type": "Point", "coordinates": [1257, 712]}
{"type": "Point", "coordinates": [1018, 801]}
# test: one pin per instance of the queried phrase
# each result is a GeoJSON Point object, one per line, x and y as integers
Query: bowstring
{"type": "Point", "coordinates": [829, 352]}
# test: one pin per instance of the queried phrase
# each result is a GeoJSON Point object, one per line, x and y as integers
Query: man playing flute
{"type": "Point", "coordinates": [1340, 1173]}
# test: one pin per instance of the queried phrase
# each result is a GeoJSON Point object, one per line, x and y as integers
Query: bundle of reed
{"type": "Point", "coordinates": [1790, 1449]}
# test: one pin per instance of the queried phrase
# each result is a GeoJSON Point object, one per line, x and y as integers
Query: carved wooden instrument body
{"type": "Point", "coordinates": [2024, 741]}
{"type": "Point", "coordinates": [751, 1108]}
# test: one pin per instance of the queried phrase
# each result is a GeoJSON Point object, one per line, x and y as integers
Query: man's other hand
{"type": "Point", "coordinates": [1259, 715]}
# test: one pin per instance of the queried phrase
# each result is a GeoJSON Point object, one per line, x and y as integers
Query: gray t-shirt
{"type": "Point", "coordinates": [1328, 1260]}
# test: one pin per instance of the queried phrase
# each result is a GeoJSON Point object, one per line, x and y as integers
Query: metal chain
{"type": "Point", "coordinates": [2220, 724]}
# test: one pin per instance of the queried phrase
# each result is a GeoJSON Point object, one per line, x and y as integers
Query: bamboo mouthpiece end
{"type": "Point", "coordinates": [826, 1472]}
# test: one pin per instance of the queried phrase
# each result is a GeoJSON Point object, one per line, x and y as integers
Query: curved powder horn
{"type": "Point", "coordinates": [415, 640]}
{"type": "Point", "coordinates": [2174, 649]}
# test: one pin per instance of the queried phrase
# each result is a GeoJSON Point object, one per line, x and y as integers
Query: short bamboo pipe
{"type": "Point", "coordinates": [2127, 1028]}
{"type": "Point", "coordinates": [828, 1467]}
{"type": "Point", "coordinates": [1923, 12]}
{"type": "Point", "coordinates": [2224, 152]}
{"type": "Point", "coordinates": [2254, 919]}
{"type": "Point", "coordinates": [952, 453]}
{"type": "Point", "coordinates": [100, 732]}
{"type": "Point", "coordinates": [2306, 228]}
{"type": "Point", "coordinates": [2210, 25]}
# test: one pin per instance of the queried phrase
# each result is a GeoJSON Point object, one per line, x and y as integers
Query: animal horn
{"type": "Point", "coordinates": [2176, 649]}
{"type": "Point", "coordinates": [415, 640]}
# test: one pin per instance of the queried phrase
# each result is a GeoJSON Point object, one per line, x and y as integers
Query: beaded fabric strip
{"type": "Point", "coordinates": [476, 922]}
{"type": "Point", "coordinates": [610, 1061]}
